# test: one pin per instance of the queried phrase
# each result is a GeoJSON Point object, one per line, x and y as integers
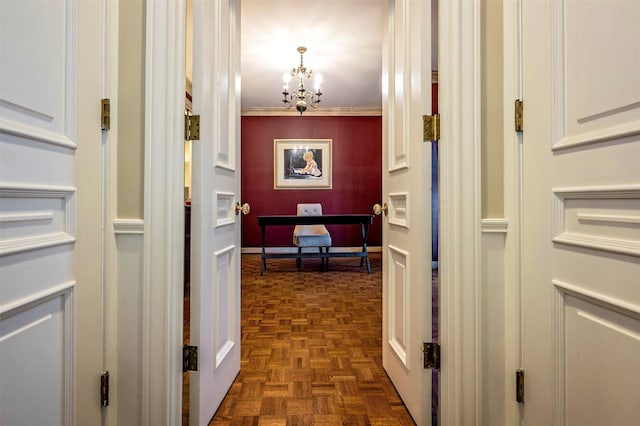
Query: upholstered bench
{"type": "Point", "coordinates": [311, 235]}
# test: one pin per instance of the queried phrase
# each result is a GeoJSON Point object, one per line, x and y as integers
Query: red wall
{"type": "Point", "coordinates": [356, 180]}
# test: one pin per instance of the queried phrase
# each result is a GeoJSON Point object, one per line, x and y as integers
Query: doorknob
{"type": "Point", "coordinates": [377, 209]}
{"type": "Point", "coordinates": [245, 208]}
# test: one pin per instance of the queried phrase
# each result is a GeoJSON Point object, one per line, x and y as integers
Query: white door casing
{"type": "Point", "coordinates": [162, 317]}
{"type": "Point", "coordinates": [51, 336]}
{"type": "Point", "coordinates": [581, 212]}
{"type": "Point", "coordinates": [215, 229]}
{"type": "Point", "coordinates": [406, 185]}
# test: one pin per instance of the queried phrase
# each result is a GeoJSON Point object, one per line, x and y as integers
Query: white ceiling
{"type": "Point", "coordinates": [344, 44]}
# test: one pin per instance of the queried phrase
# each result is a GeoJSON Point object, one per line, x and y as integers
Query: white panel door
{"type": "Point", "coordinates": [215, 232]}
{"type": "Point", "coordinates": [406, 189]}
{"type": "Point", "coordinates": [51, 346]}
{"type": "Point", "coordinates": [581, 212]}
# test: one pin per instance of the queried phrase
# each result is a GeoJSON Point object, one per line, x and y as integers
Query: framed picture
{"type": "Point", "coordinates": [302, 163]}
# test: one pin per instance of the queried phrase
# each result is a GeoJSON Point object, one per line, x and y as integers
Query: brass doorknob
{"type": "Point", "coordinates": [245, 208]}
{"type": "Point", "coordinates": [377, 209]}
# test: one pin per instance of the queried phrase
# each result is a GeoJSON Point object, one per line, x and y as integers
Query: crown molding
{"type": "Point", "coordinates": [345, 112]}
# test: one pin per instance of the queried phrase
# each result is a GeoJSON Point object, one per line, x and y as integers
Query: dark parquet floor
{"type": "Point", "coordinates": [311, 348]}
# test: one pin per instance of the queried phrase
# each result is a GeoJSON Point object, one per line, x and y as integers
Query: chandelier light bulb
{"type": "Point", "coordinates": [317, 81]}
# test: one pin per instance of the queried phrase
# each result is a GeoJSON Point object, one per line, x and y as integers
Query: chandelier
{"type": "Point", "coordinates": [301, 97]}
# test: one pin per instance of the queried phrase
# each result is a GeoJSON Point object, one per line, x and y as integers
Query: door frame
{"type": "Point", "coordinates": [163, 242]}
{"type": "Point", "coordinates": [459, 105]}
{"type": "Point", "coordinates": [460, 213]}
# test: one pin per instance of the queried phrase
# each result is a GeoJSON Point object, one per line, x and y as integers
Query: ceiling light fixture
{"type": "Point", "coordinates": [301, 97]}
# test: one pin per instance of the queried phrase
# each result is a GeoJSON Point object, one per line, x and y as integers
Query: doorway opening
{"type": "Point", "coordinates": [434, 277]}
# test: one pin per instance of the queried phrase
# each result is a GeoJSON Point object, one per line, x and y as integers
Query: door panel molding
{"type": "Point", "coordinates": [600, 218]}
{"type": "Point", "coordinates": [224, 212]}
{"type": "Point", "coordinates": [591, 107]}
{"type": "Point", "coordinates": [225, 303]}
{"type": "Point", "coordinates": [40, 100]}
{"type": "Point", "coordinates": [398, 297]}
{"type": "Point", "coordinates": [399, 209]}
{"type": "Point", "coordinates": [47, 320]}
{"type": "Point", "coordinates": [36, 134]}
{"type": "Point", "coordinates": [48, 221]}
{"type": "Point", "coordinates": [627, 130]}
{"type": "Point", "coordinates": [581, 316]}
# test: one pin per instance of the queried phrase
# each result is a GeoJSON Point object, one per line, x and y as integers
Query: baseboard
{"type": "Point", "coordinates": [258, 250]}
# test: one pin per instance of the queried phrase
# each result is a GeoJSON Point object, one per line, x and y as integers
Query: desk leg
{"type": "Point", "coordinates": [263, 265]}
{"type": "Point", "coordinates": [364, 228]}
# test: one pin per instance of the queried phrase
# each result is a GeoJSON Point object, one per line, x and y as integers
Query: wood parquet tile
{"type": "Point", "coordinates": [311, 348]}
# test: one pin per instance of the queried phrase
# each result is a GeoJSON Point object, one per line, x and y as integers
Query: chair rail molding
{"type": "Point", "coordinates": [495, 225]}
{"type": "Point", "coordinates": [128, 226]}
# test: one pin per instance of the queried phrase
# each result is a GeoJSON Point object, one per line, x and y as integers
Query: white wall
{"type": "Point", "coordinates": [128, 380]}
{"type": "Point", "coordinates": [492, 322]}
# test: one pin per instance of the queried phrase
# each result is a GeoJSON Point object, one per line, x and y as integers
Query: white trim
{"type": "Point", "coordinates": [19, 305]}
{"type": "Point", "coordinates": [399, 344]}
{"type": "Point", "coordinates": [64, 234]}
{"type": "Point", "coordinates": [626, 130]}
{"type": "Point", "coordinates": [399, 215]}
{"type": "Point", "coordinates": [512, 143]}
{"type": "Point", "coordinates": [128, 226]}
{"type": "Point", "coordinates": [224, 210]}
{"type": "Point", "coordinates": [459, 72]}
{"type": "Point", "coordinates": [495, 225]}
{"type": "Point", "coordinates": [36, 134]}
{"type": "Point", "coordinates": [227, 255]}
{"type": "Point", "coordinates": [459, 106]}
{"type": "Point", "coordinates": [162, 290]}
{"type": "Point", "coordinates": [110, 188]}
{"type": "Point", "coordinates": [580, 237]}
{"type": "Point", "coordinates": [597, 298]}
{"type": "Point", "coordinates": [562, 290]}
{"type": "Point", "coordinates": [66, 291]}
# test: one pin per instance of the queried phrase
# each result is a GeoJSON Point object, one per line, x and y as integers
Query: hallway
{"type": "Point", "coordinates": [311, 348]}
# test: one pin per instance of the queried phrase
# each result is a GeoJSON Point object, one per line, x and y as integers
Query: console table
{"type": "Point", "coordinates": [364, 220]}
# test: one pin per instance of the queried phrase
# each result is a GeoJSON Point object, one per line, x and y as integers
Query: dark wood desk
{"type": "Point", "coordinates": [364, 220]}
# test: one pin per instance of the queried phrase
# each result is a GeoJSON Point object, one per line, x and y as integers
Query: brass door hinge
{"type": "Point", "coordinates": [431, 355]}
{"type": "Point", "coordinates": [520, 385]}
{"type": "Point", "coordinates": [431, 127]}
{"type": "Point", "coordinates": [519, 118]}
{"type": "Point", "coordinates": [104, 389]}
{"type": "Point", "coordinates": [189, 358]}
{"type": "Point", "coordinates": [191, 127]}
{"type": "Point", "coordinates": [105, 114]}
